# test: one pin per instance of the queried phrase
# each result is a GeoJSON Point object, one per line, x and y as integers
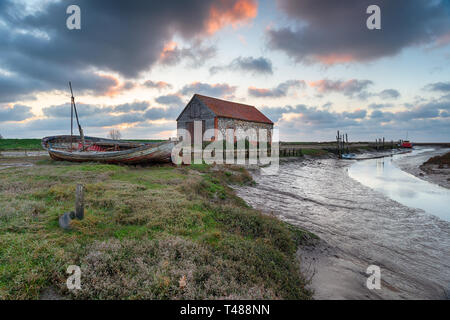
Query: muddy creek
{"type": "Point", "coordinates": [363, 219]}
{"type": "Point", "coordinates": [384, 176]}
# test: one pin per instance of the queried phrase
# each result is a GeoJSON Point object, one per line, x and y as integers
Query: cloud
{"type": "Point", "coordinates": [223, 13]}
{"type": "Point", "coordinates": [426, 121]}
{"type": "Point", "coordinates": [438, 86]}
{"type": "Point", "coordinates": [94, 118]}
{"type": "Point", "coordinates": [279, 91]}
{"type": "Point", "coordinates": [259, 65]}
{"type": "Point", "coordinates": [389, 94]}
{"type": "Point", "coordinates": [163, 113]}
{"type": "Point", "coordinates": [380, 105]}
{"type": "Point", "coordinates": [348, 88]}
{"type": "Point", "coordinates": [332, 32]}
{"type": "Point", "coordinates": [128, 107]}
{"type": "Point", "coordinates": [215, 90]}
{"type": "Point", "coordinates": [196, 55]}
{"type": "Point", "coordinates": [357, 114]}
{"type": "Point", "coordinates": [170, 99]}
{"type": "Point", "coordinates": [157, 85]}
{"type": "Point", "coordinates": [15, 113]}
{"type": "Point", "coordinates": [119, 37]}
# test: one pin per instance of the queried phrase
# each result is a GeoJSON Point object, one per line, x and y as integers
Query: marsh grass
{"type": "Point", "coordinates": [20, 144]}
{"type": "Point", "coordinates": [144, 230]}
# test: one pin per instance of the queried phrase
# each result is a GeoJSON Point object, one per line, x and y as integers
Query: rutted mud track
{"type": "Point", "coordinates": [359, 227]}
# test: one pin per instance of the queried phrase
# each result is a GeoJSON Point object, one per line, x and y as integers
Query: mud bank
{"type": "Point", "coordinates": [358, 227]}
{"type": "Point", "coordinates": [429, 172]}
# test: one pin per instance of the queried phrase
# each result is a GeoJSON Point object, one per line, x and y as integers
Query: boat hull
{"type": "Point", "coordinates": [67, 148]}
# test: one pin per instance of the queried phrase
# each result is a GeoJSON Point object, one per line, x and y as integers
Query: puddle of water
{"type": "Point", "coordinates": [384, 176]}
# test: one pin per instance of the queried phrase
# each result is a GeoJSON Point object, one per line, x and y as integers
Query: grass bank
{"type": "Point", "coordinates": [149, 233]}
{"type": "Point", "coordinates": [20, 144]}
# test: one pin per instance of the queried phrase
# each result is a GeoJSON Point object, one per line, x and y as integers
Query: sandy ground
{"type": "Point", "coordinates": [430, 173]}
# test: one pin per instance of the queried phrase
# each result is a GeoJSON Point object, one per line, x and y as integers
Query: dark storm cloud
{"type": "Point", "coordinates": [15, 113]}
{"type": "Point", "coordinates": [279, 91]}
{"type": "Point", "coordinates": [332, 31]}
{"type": "Point", "coordinates": [29, 73]}
{"type": "Point", "coordinates": [215, 90]}
{"type": "Point", "coordinates": [14, 88]}
{"type": "Point", "coordinates": [259, 65]}
{"type": "Point", "coordinates": [128, 38]}
{"type": "Point", "coordinates": [438, 86]}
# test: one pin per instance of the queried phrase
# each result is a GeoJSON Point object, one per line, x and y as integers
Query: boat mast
{"type": "Point", "coordinates": [73, 106]}
{"type": "Point", "coordinates": [71, 124]}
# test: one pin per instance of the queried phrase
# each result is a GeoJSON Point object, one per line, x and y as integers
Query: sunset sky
{"type": "Point", "coordinates": [312, 66]}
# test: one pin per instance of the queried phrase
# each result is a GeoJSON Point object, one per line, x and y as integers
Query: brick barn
{"type": "Point", "coordinates": [221, 115]}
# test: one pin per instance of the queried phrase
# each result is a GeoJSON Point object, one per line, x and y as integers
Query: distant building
{"type": "Point", "coordinates": [221, 115]}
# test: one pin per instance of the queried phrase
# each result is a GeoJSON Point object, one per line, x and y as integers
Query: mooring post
{"type": "Point", "coordinates": [338, 144]}
{"type": "Point", "coordinates": [346, 140]}
{"type": "Point", "coordinates": [79, 201]}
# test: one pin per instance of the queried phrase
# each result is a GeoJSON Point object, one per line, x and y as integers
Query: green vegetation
{"type": "Point", "coordinates": [313, 152]}
{"type": "Point", "coordinates": [20, 144]}
{"type": "Point", "coordinates": [160, 232]}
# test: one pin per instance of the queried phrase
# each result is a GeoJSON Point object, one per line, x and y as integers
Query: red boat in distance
{"type": "Point", "coordinates": [406, 144]}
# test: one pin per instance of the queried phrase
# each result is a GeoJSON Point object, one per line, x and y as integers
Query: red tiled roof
{"type": "Point", "coordinates": [228, 109]}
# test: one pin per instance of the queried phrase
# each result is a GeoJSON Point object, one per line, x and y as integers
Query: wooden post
{"type": "Point", "coordinates": [338, 138]}
{"type": "Point", "coordinates": [79, 202]}
{"type": "Point", "coordinates": [383, 143]}
{"type": "Point", "coordinates": [346, 138]}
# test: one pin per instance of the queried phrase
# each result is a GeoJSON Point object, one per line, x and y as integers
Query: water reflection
{"type": "Point", "coordinates": [384, 176]}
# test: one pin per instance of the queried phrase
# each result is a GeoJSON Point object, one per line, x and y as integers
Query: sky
{"type": "Point", "coordinates": [311, 66]}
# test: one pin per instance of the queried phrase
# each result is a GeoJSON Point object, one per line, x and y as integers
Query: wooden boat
{"type": "Point", "coordinates": [72, 148]}
{"type": "Point", "coordinates": [81, 148]}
